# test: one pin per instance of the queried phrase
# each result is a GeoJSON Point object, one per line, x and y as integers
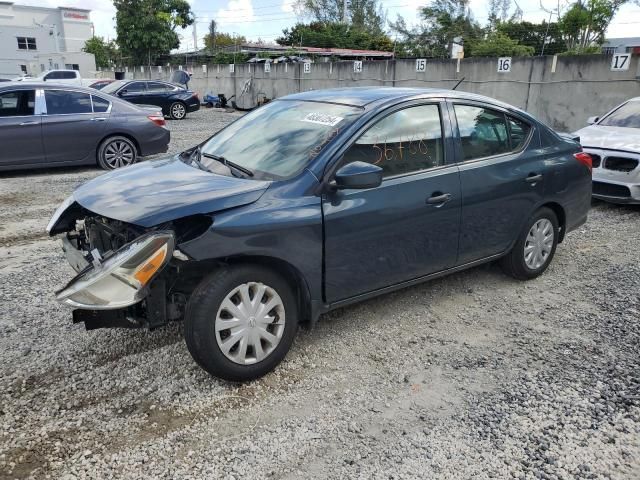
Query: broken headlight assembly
{"type": "Point", "coordinates": [121, 279]}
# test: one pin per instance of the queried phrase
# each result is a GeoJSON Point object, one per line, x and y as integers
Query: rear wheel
{"type": "Point", "coordinates": [177, 111]}
{"type": "Point", "coordinates": [240, 322]}
{"type": "Point", "coordinates": [535, 248]}
{"type": "Point", "coordinates": [115, 152]}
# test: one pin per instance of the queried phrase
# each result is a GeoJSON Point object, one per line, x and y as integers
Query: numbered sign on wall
{"type": "Point", "coordinates": [620, 61]}
{"type": "Point", "coordinates": [159, 69]}
{"type": "Point", "coordinates": [307, 67]}
{"type": "Point", "coordinates": [267, 67]}
{"type": "Point", "coordinates": [204, 69]}
{"type": "Point", "coordinates": [421, 64]}
{"type": "Point", "coordinates": [504, 64]}
{"type": "Point", "coordinates": [357, 66]}
{"type": "Point", "coordinates": [232, 67]}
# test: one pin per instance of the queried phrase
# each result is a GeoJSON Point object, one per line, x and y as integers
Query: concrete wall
{"type": "Point", "coordinates": [580, 86]}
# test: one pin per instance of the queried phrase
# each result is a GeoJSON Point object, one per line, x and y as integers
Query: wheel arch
{"type": "Point", "coordinates": [292, 275]}
{"type": "Point", "coordinates": [559, 210]}
{"type": "Point", "coordinates": [119, 134]}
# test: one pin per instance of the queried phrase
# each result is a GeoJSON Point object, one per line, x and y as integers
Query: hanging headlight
{"type": "Point", "coordinates": [120, 280]}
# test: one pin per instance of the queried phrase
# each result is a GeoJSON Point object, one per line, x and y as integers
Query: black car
{"type": "Point", "coordinates": [174, 100]}
{"type": "Point", "coordinates": [312, 202]}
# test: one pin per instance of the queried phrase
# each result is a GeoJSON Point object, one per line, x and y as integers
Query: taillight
{"type": "Point", "coordinates": [157, 119]}
{"type": "Point", "coordinates": [585, 159]}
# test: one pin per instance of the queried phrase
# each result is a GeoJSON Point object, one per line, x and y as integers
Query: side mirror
{"type": "Point", "coordinates": [592, 120]}
{"type": "Point", "coordinates": [122, 92]}
{"type": "Point", "coordinates": [357, 175]}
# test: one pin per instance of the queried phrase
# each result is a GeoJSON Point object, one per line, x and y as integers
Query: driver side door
{"type": "Point", "coordinates": [407, 227]}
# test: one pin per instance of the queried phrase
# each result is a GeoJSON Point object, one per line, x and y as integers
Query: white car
{"type": "Point", "coordinates": [68, 77]}
{"type": "Point", "coordinates": [613, 141]}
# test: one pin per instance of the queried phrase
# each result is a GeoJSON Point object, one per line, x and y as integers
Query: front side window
{"type": "Point", "coordinates": [406, 141]}
{"type": "Point", "coordinates": [63, 102]}
{"type": "Point", "coordinates": [485, 132]}
{"type": "Point", "coordinates": [26, 43]}
{"type": "Point", "coordinates": [628, 115]}
{"type": "Point", "coordinates": [18, 103]}
{"type": "Point", "coordinates": [67, 75]}
{"type": "Point", "coordinates": [53, 76]}
{"type": "Point", "coordinates": [278, 140]}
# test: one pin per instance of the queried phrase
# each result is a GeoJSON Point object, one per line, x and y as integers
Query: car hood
{"type": "Point", "coordinates": [615, 138]}
{"type": "Point", "coordinates": [158, 191]}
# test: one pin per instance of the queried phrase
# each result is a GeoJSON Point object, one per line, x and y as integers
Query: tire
{"type": "Point", "coordinates": [516, 263]}
{"type": "Point", "coordinates": [204, 311]}
{"type": "Point", "coordinates": [116, 152]}
{"type": "Point", "coordinates": [177, 111]}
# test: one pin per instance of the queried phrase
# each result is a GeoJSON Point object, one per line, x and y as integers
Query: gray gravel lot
{"type": "Point", "coordinates": [471, 376]}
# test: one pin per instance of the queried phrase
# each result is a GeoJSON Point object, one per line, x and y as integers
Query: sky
{"type": "Point", "coordinates": [265, 19]}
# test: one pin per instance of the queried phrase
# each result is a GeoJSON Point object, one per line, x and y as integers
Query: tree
{"type": "Point", "coordinates": [584, 24]}
{"type": "Point", "coordinates": [334, 35]}
{"type": "Point", "coordinates": [217, 40]}
{"type": "Point", "coordinates": [499, 45]}
{"type": "Point", "coordinates": [146, 29]}
{"type": "Point", "coordinates": [442, 22]}
{"type": "Point", "coordinates": [362, 14]}
{"type": "Point", "coordinates": [535, 35]}
{"type": "Point", "coordinates": [105, 53]}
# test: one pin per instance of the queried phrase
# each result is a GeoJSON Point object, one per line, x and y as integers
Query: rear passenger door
{"type": "Point", "coordinates": [501, 175]}
{"type": "Point", "coordinates": [20, 129]}
{"type": "Point", "coordinates": [71, 130]}
{"type": "Point", "coordinates": [158, 93]}
{"type": "Point", "coordinates": [134, 92]}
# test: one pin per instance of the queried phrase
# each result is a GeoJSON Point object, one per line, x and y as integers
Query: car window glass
{"type": "Point", "coordinates": [157, 87]}
{"type": "Point", "coordinates": [406, 141]}
{"type": "Point", "coordinates": [67, 75]}
{"type": "Point", "coordinates": [135, 87]}
{"type": "Point", "coordinates": [628, 115]}
{"type": "Point", "coordinates": [483, 132]}
{"type": "Point", "coordinates": [518, 133]}
{"type": "Point", "coordinates": [52, 76]}
{"type": "Point", "coordinates": [19, 103]}
{"type": "Point", "coordinates": [66, 102]}
{"type": "Point", "coordinates": [99, 104]}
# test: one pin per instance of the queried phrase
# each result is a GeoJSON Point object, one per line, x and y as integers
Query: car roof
{"type": "Point", "coordinates": [34, 85]}
{"type": "Point", "coordinates": [362, 96]}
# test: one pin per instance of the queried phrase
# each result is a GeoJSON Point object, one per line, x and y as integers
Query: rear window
{"type": "Point", "coordinates": [63, 102]}
{"type": "Point", "coordinates": [628, 115]}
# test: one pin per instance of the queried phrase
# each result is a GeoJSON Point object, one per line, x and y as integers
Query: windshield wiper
{"type": "Point", "coordinates": [195, 158]}
{"type": "Point", "coordinates": [228, 163]}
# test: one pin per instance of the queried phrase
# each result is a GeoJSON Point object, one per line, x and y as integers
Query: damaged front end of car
{"type": "Point", "coordinates": [126, 273]}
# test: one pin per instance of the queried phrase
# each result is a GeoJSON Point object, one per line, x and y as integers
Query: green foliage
{"type": "Point", "coordinates": [442, 22]}
{"type": "Point", "coordinates": [500, 45]}
{"type": "Point", "coordinates": [105, 53]}
{"type": "Point", "coordinates": [584, 24]}
{"type": "Point", "coordinates": [534, 35]}
{"type": "Point", "coordinates": [216, 40]}
{"type": "Point", "coordinates": [146, 29]}
{"type": "Point", "coordinates": [365, 15]}
{"type": "Point", "coordinates": [334, 35]}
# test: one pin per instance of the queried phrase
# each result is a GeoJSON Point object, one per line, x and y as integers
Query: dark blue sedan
{"type": "Point", "coordinates": [312, 202]}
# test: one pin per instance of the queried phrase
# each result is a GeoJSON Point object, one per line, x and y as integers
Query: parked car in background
{"type": "Point", "coordinates": [68, 77]}
{"type": "Point", "coordinates": [174, 100]}
{"type": "Point", "coordinates": [315, 201]}
{"type": "Point", "coordinates": [48, 125]}
{"type": "Point", "coordinates": [613, 141]}
{"type": "Point", "coordinates": [100, 84]}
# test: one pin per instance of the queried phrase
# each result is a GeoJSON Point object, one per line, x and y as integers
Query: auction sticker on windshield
{"type": "Point", "coordinates": [322, 119]}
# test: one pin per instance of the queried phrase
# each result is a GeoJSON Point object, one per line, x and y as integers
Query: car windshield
{"type": "Point", "coordinates": [628, 115]}
{"type": "Point", "coordinates": [113, 86]}
{"type": "Point", "coordinates": [278, 140]}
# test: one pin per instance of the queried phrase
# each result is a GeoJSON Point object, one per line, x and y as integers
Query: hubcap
{"type": "Point", "coordinates": [539, 243]}
{"type": "Point", "coordinates": [250, 323]}
{"type": "Point", "coordinates": [118, 154]}
{"type": "Point", "coordinates": [177, 110]}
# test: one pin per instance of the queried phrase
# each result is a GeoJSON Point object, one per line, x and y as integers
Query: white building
{"type": "Point", "coordinates": [34, 39]}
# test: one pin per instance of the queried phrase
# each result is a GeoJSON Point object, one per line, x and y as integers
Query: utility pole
{"type": "Point", "coordinates": [344, 11]}
{"type": "Point", "coordinates": [195, 34]}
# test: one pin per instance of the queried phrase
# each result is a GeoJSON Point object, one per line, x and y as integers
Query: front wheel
{"type": "Point", "coordinates": [177, 111]}
{"type": "Point", "coordinates": [240, 322]}
{"type": "Point", "coordinates": [535, 248]}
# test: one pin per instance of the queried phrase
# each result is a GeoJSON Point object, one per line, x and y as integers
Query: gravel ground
{"type": "Point", "coordinates": [471, 376]}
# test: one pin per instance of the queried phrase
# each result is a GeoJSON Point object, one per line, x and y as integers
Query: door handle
{"type": "Point", "coordinates": [439, 200]}
{"type": "Point", "coordinates": [24, 124]}
{"type": "Point", "coordinates": [533, 178]}
{"type": "Point", "coordinates": [98, 119]}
